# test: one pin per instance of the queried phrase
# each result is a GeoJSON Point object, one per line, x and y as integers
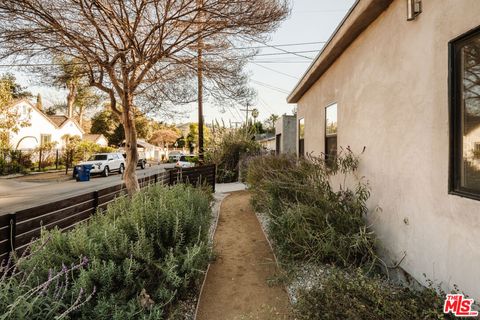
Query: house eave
{"type": "Point", "coordinates": [360, 16]}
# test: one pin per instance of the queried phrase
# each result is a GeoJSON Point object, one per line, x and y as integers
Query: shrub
{"type": "Point", "coordinates": [145, 253]}
{"type": "Point", "coordinates": [51, 298]}
{"type": "Point", "coordinates": [14, 161]}
{"type": "Point", "coordinates": [357, 296]}
{"type": "Point", "coordinates": [310, 220]}
{"type": "Point", "coordinates": [227, 153]}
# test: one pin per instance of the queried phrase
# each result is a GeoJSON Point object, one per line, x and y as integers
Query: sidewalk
{"type": "Point", "coordinates": [237, 286]}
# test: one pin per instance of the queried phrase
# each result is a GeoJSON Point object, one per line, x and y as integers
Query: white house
{"type": "Point", "coordinates": [96, 138]}
{"type": "Point", "coordinates": [43, 128]}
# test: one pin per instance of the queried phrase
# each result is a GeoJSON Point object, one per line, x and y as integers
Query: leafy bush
{"type": "Point", "coordinates": [310, 220]}
{"type": "Point", "coordinates": [14, 161]}
{"type": "Point", "coordinates": [46, 154]}
{"type": "Point", "coordinates": [19, 299]}
{"type": "Point", "coordinates": [228, 151]}
{"type": "Point", "coordinates": [357, 296]}
{"type": "Point", "coordinates": [77, 150]}
{"type": "Point", "coordinates": [145, 253]}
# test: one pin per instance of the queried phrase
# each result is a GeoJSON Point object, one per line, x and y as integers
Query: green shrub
{"type": "Point", "coordinates": [14, 161]}
{"type": "Point", "coordinates": [52, 298]}
{"type": "Point", "coordinates": [310, 220]}
{"type": "Point", "coordinates": [145, 253]}
{"type": "Point", "coordinates": [227, 153]}
{"type": "Point", "coordinates": [357, 296]}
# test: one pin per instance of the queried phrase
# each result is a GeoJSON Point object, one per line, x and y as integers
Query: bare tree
{"type": "Point", "coordinates": [128, 46]}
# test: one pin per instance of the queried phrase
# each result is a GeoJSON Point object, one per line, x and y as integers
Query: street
{"type": "Point", "coordinates": [17, 194]}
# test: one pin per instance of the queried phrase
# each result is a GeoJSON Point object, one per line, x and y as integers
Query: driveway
{"type": "Point", "coordinates": [18, 194]}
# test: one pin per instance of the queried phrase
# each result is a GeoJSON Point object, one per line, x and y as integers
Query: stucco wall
{"type": "Point", "coordinates": [391, 86]}
{"type": "Point", "coordinates": [287, 127]}
{"type": "Point", "coordinates": [38, 125]}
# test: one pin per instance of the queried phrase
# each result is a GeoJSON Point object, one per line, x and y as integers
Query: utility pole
{"type": "Point", "coordinates": [200, 88]}
{"type": "Point", "coordinates": [246, 114]}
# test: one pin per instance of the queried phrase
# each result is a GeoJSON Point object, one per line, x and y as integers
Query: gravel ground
{"type": "Point", "coordinates": [302, 276]}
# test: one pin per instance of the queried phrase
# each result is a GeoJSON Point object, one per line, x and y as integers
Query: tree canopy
{"type": "Point", "coordinates": [130, 46]}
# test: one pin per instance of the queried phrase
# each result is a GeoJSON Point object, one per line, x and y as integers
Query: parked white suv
{"type": "Point", "coordinates": [185, 162]}
{"type": "Point", "coordinates": [105, 163]}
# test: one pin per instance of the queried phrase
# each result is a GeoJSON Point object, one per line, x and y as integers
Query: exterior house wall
{"type": "Point", "coordinates": [102, 141]}
{"type": "Point", "coordinates": [286, 126]}
{"type": "Point", "coordinates": [68, 128]}
{"type": "Point", "coordinates": [391, 86]}
{"type": "Point", "coordinates": [40, 124]}
{"type": "Point", "coordinates": [268, 144]}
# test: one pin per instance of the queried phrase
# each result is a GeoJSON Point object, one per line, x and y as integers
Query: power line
{"type": "Point", "coordinates": [80, 63]}
{"type": "Point", "coordinates": [282, 45]}
{"type": "Point", "coordinates": [289, 52]}
{"type": "Point", "coordinates": [280, 62]}
{"type": "Point", "coordinates": [276, 71]}
{"type": "Point", "coordinates": [266, 85]}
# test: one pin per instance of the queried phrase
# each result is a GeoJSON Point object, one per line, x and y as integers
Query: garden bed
{"type": "Point", "coordinates": [324, 246]}
{"type": "Point", "coordinates": [144, 257]}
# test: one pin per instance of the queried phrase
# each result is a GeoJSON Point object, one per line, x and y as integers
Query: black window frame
{"type": "Point", "coordinates": [330, 157]}
{"type": "Point", "coordinates": [301, 138]}
{"type": "Point", "coordinates": [455, 115]}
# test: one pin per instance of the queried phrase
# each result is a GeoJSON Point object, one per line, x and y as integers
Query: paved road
{"type": "Point", "coordinates": [16, 195]}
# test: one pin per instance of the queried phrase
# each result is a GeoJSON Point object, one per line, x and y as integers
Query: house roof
{"type": "Point", "coordinates": [360, 16]}
{"type": "Point", "coordinates": [92, 137]}
{"type": "Point", "coordinates": [59, 120]}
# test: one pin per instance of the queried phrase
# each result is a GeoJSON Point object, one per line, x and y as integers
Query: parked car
{"type": "Point", "coordinates": [186, 162]}
{"type": "Point", "coordinates": [105, 163]}
{"type": "Point", "coordinates": [142, 159]}
{"type": "Point", "coordinates": [174, 157]}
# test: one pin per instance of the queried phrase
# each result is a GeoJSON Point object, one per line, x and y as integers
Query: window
{"type": "Point", "coordinates": [465, 115]}
{"type": "Point", "coordinates": [331, 132]}
{"type": "Point", "coordinates": [301, 137]}
{"type": "Point", "coordinates": [45, 138]}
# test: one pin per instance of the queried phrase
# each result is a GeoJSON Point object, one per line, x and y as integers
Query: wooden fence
{"type": "Point", "coordinates": [19, 229]}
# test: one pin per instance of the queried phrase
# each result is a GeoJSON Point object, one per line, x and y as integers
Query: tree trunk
{"type": "Point", "coordinates": [72, 93]}
{"type": "Point", "coordinates": [130, 177]}
{"type": "Point", "coordinates": [81, 112]}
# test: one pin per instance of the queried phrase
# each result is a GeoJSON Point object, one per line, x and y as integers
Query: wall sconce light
{"type": "Point", "coordinates": [414, 8]}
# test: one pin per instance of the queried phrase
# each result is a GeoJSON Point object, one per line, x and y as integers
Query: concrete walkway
{"type": "Point", "coordinates": [237, 286]}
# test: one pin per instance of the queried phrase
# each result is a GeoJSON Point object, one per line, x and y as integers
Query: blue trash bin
{"type": "Point", "coordinates": [83, 172]}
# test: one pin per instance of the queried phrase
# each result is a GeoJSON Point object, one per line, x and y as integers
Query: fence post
{"type": "Point", "coordinates": [95, 201]}
{"type": "Point", "coordinates": [56, 160]}
{"type": "Point", "coordinates": [170, 182]}
{"type": "Point", "coordinates": [156, 178]}
{"type": "Point", "coordinates": [12, 217]}
{"type": "Point", "coordinates": [40, 160]}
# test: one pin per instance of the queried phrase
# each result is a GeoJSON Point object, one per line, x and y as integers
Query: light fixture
{"type": "Point", "coordinates": [414, 8]}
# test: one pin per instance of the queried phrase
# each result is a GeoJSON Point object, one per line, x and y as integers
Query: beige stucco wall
{"type": "Point", "coordinates": [391, 86]}
{"type": "Point", "coordinates": [286, 125]}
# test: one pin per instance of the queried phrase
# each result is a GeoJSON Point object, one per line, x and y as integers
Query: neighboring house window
{"type": "Point", "coordinates": [45, 138]}
{"type": "Point", "coordinates": [331, 132]}
{"type": "Point", "coordinates": [301, 137]}
{"type": "Point", "coordinates": [465, 115]}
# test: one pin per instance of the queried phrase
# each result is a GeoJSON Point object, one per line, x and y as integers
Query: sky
{"type": "Point", "coordinates": [273, 74]}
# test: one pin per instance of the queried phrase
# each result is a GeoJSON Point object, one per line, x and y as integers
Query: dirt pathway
{"type": "Point", "coordinates": [236, 286]}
